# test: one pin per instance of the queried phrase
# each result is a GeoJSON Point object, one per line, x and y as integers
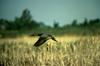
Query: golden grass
{"type": "Point", "coordinates": [69, 51]}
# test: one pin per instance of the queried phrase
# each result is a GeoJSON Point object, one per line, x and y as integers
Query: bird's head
{"type": "Point", "coordinates": [53, 38]}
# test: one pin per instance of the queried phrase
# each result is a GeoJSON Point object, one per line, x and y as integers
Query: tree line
{"type": "Point", "coordinates": [25, 22]}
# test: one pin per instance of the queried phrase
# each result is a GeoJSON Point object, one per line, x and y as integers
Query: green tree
{"type": "Point", "coordinates": [74, 23]}
{"type": "Point", "coordinates": [56, 24]}
{"type": "Point", "coordinates": [26, 16]}
{"type": "Point", "coordinates": [25, 21]}
{"type": "Point", "coordinates": [85, 23]}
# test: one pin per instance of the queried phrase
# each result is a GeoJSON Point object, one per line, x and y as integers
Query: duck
{"type": "Point", "coordinates": [43, 37]}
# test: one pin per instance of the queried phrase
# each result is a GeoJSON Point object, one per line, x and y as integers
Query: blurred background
{"type": "Point", "coordinates": [58, 17]}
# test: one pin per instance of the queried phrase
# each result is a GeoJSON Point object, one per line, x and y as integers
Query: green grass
{"type": "Point", "coordinates": [82, 52]}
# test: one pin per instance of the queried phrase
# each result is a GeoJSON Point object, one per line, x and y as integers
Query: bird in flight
{"type": "Point", "coordinates": [43, 37]}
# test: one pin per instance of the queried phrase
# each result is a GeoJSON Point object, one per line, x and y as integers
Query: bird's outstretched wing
{"type": "Point", "coordinates": [40, 41]}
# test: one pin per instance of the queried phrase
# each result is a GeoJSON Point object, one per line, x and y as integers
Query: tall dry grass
{"type": "Point", "coordinates": [69, 51]}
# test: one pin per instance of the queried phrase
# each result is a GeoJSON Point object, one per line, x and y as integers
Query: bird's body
{"type": "Point", "coordinates": [40, 42]}
{"type": "Point", "coordinates": [42, 39]}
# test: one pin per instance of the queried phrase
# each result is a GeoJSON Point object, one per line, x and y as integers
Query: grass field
{"type": "Point", "coordinates": [69, 51]}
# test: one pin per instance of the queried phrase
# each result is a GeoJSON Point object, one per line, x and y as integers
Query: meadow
{"type": "Point", "coordinates": [69, 51]}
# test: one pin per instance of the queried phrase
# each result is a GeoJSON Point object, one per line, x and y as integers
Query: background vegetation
{"type": "Point", "coordinates": [25, 24]}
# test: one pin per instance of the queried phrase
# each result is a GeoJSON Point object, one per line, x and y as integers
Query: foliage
{"type": "Point", "coordinates": [56, 25]}
{"type": "Point", "coordinates": [25, 24]}
{"type": "Point", "coordinates": [74, 23]}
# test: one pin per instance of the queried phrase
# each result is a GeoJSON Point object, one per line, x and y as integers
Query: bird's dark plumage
{"type": "Point", "coordinates": [43, 38]}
